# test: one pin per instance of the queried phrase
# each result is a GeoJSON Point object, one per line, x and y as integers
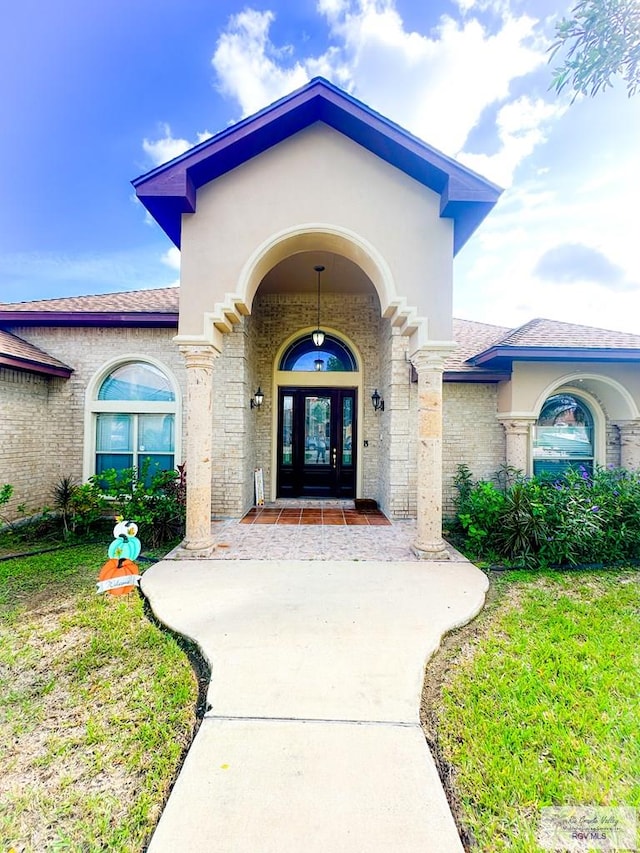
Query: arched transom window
{"type": "Point", "coordinates": [333, 356]}
{"type": "Point", "coordinates": [563, 436]}
{"type": "Point", "coordinates": [135, 420]}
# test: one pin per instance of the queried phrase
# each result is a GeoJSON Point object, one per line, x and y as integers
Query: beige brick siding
{"type": "Point", "coordinates": [613, 446]}
{"type": "Point", "coordinates": [471, 433]}
{"type": "Point", "coordinates": [42, 419]}
{"type": "Point", "coordinates": [23, 421]}
{"type": "Point", "coordinates": [275, 318]}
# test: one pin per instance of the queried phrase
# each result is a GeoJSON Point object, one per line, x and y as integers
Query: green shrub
{"type": "Point", "coordinates": [480, 516]}
{"type": "Point", "coordinates": [521, 523]}
{"type": "Point", "coordinates": [6, 492]}
{"type": "Point", "coordinates": [88, 507]}
{"type": "Point", "coordinates": [80, 506]}
{"type": "Point", "coordinates": [576, 518]}
{"type": "Point", "coordinates": [157, 503]}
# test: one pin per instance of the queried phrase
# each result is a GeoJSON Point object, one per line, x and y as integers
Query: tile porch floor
{"type": "Point", "coordinates": [314, 530]}
{"type": "Point", "coordinates": [315, 515]}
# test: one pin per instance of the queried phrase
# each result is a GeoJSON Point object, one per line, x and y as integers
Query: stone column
{"type": "Point", "coordinates": [429, 363]}
{"type": "Point", "coordinates": [198, 541]}
{"type": "Point", "coordinates": [629, 444]}
{"type": "Point", "coordinates": [517, 433]}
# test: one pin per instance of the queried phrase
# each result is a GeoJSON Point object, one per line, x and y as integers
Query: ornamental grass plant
{"type": "Point", "coordinates": [579, 517]}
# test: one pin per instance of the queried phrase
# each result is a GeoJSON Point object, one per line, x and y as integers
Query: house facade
{"type": "Point", "coordinates": [311, 338]}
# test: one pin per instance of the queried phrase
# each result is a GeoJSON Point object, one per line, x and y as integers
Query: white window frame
{"type": "Point", "coordinates": [94, 406]}
{"type": "Point", "coordinates": [599, 439]}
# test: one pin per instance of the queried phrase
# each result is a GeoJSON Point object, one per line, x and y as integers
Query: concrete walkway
{"type": "Point", "coordinates": [312, 741]}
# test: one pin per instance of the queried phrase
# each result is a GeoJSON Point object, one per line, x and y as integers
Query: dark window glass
{"type": "Point", "coordinates": [332, 356]}
{"type": "Point", "coordinates": [563, 436]}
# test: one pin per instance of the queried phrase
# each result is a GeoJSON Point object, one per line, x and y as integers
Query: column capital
{"type": "Point", "coordinates": [432, 356]}
{"type": "Point", "coordinates": [630, 427]}
{"type": "Point", "coordinates": [199, 355]}
{"type": "Point", "coordinates": [516, 425]}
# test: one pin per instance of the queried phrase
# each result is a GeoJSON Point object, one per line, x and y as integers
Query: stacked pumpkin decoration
{"type": "Point", "coordinates": [120, 574]}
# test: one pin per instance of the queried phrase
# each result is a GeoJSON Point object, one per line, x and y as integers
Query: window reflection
{"type": "Point", "coordinates": [332, 357]}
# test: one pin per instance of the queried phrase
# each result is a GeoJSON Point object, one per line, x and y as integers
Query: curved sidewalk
{"type": "Point", "coordinates": [312, 740]}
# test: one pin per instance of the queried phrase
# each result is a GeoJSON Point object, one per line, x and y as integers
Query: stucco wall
{"type": "Point", "coordinates": [617, 386]}
{"type": "Point", "coordinates": [317, 176]}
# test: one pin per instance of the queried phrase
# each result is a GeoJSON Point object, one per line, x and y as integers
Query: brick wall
{"type": "Point", "coordinates": [23, 422]}
{"type": "Point", "coordinates": [275, 318]}
{"type": "Point", "coordinates": [42, 420]}
{"type": "Point", "coordinates": [471, 433]}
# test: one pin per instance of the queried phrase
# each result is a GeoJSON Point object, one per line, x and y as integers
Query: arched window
{"type": "Point", "coordinates": [134, 414]}
{"type": "Point", "coordinates": [563, 436]}
{"type": "Point", "coordinates": [332, 356]}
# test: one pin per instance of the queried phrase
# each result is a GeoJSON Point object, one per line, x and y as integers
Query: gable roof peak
{"type": "Point", "coordinates": [170, 190]}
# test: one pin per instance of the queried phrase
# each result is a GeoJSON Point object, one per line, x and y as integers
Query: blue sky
{"type": "Point", "coordinates": [94, 94]}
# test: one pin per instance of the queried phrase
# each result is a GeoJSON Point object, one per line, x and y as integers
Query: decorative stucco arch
{"type": "Point", "coordinates": [609, 401]}
{"type": "Point", "coordinates": [316, 236]}
{"type": "Point", "coordinates": [606, 391]}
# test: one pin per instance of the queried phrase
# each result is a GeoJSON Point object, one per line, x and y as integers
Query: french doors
{"type": "Point", "coordinates": [317, 442]}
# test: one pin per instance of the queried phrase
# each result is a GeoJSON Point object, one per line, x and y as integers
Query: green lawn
{"type": "Point", "coordinates": [540, 704]}
{"type": "Point", "coordinates": [97, 706]}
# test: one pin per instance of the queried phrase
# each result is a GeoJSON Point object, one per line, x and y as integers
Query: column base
{"type": "Point", "coordinates": [431, 550]}
{"type": "Point", "coordinates": [199, 550]}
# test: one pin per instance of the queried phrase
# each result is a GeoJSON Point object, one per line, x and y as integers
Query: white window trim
{"type": "Point", "coordinates": [93, 406]}
{"type": "Point", "coordinates": [599, 422]}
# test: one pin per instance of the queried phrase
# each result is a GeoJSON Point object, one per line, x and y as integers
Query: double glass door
{"type": "Point", "coordinates": [317, 442]}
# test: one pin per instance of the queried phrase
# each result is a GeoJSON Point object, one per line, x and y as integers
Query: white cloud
{"type": "Point", "coordinates": [455, 86]}
{"type": "Point", "coordinates": [436, 86]}
{"type": "Point", "coordinates": [248, 64]}
{"type": "Point", "coordinates": [495, 275]}
{"type": "Point", "coordinates": [522, 125]}
{"type": "Point", "coordinates": [167, 147]}
{"type": "Point", "coordinates": [171, 258]}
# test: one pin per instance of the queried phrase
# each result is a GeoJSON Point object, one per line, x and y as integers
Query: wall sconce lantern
{"type": "Point", "coordinates": [257, 400]}
{"type": "Point", "coordinates": [377, 401]}
{"type": "Point", "coordinates": [318, 336]}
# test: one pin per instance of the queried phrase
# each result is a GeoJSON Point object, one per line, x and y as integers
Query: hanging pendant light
{"type": "Point", "coordinates": [318, 335]}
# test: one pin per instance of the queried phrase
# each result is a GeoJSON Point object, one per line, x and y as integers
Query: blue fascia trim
{"type": "Point", "coordinates": [488, 376]}
{"type": "Point", "coordinates": [170, 190]}
{"type": "Point", "coordinates": [99, 319]}
{"type": "Point", "coordinates": [500, 357]}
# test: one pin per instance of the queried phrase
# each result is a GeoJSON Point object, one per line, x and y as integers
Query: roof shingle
{"type": "Point", "coordinates": [472, 338]}
{"type": "Point", "coordinates": [162, 300]}
{"type": "Point", "coordinates": [554, 333]}
{"type": "Point", "coordinates": [16, 352]}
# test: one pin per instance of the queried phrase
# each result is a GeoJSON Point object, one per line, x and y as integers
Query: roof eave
{"type": "Point", "coordinates": [500, 356]}
{"type": "Point", "coordinates": [476, 375]}
{"type": "Point", "coordinates": [122, 319]}
{"type": "Point", "coordinates": [170, 190]}
{"type": "Point", "coordinates": [32, 366]}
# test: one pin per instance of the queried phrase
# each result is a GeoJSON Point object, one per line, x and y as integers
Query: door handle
{"type": "Point", "coordinates": [334, 456]}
